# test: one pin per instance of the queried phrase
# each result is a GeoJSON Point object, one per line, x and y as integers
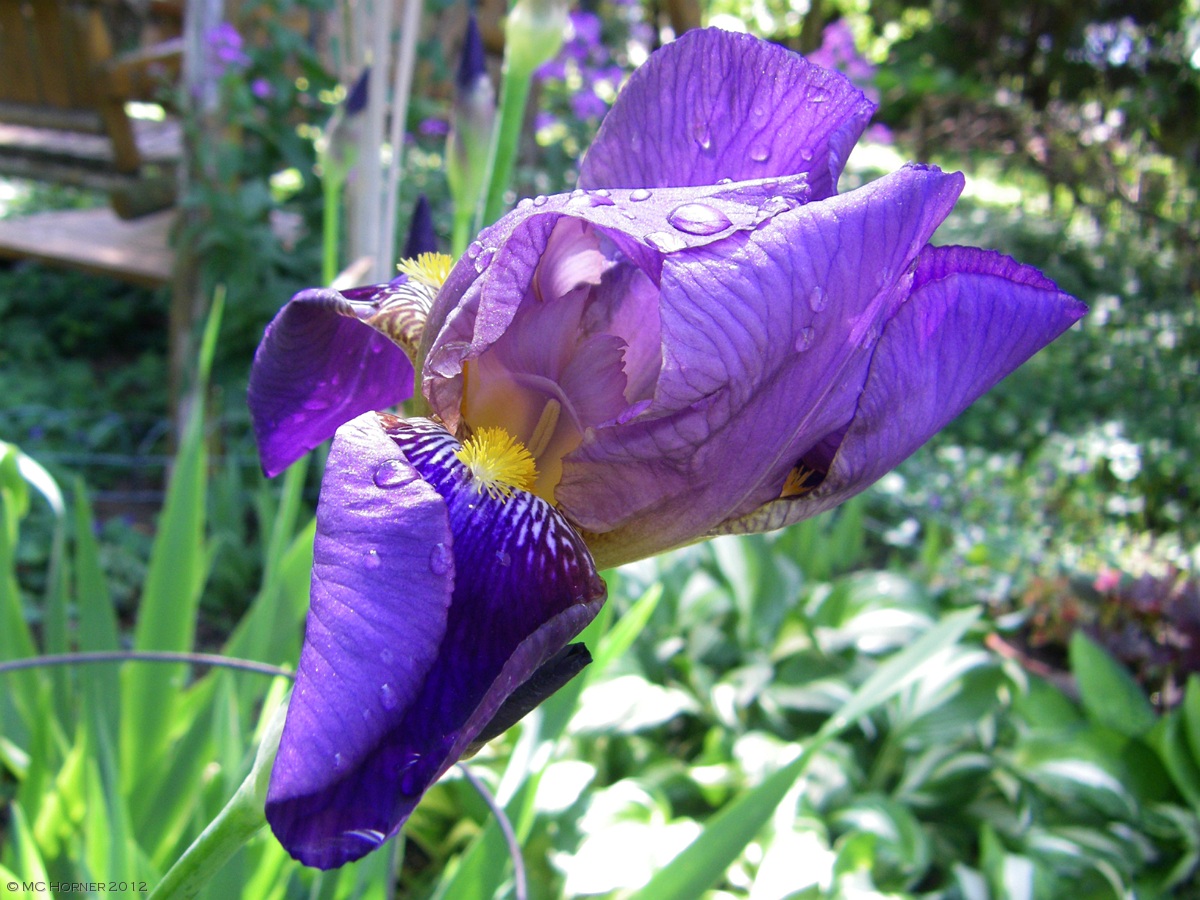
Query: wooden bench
{"type": "Point", "coordinates": [63, 119]}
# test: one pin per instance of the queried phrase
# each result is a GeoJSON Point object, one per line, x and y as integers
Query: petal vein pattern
{"type": "Point", "coordinates": [432, 602]}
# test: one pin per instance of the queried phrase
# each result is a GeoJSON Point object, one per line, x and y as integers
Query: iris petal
{"type": "Point", "coordinates": [463, 600]}
{"type": "Point", "coordinates": [320, 364]}
{"type": "Point", "coordinates": [716, 105]}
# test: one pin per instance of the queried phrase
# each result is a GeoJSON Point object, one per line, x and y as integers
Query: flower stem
{"type": "Point", "coordinates": [239, 821]}
{"type": "Point", "coordinates": [514, 95]}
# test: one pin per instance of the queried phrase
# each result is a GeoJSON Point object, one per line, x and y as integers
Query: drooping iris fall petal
{"type": "Point", "coordinates": [432, 603]}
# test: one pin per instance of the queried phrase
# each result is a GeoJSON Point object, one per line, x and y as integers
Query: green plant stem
{"type": "Point", "coordinates": [239, 821]}
{"type": "Point", "coordinates": [514, 96]}
{"type": "Point", "coordinates": [464, 219]}
{"type": "Point", "coordinates": [331, 188]}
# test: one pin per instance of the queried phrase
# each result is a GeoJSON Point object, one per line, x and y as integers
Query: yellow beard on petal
{"type": "Point", "coordinates": [498, 462]}
{"type": "Point", "coordinates": [429, 269]}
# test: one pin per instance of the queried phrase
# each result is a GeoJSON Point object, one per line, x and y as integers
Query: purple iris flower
{"type": "Point", "coordinates": [705, 338]}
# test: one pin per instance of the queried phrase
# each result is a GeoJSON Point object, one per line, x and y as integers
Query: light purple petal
{"type": "Point", "coordinates": [425, 679]}
{"type": "Point", "coordinates": [476, 307]}
{"type": "Point", "coordinates": [766, 340]}
{"type": "Point", "coordinates": [382, 578]}
{"type": "Point", "coordinates": [716, 105]}
{"type": "Point", "coordinates": [974, 316]}
{"type": "Point", "coordinates": [320, 365]}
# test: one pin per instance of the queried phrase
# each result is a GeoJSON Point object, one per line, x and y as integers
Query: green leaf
{"type": "Point", "coordinates": [1110, 695]}
{"type": "Point", "coordinates": [728, 832]}
{"type": "Point", "coordinates": [171, 595]}
{"type": "Point", "coordinates": [1191, 715]}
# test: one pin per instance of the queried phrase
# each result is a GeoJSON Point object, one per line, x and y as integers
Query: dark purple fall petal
{"type": "Point", "coordinates": [319, 365]}
{"type": "Point", "coordinates": [432, 603]}
{"type": "Point", "coordinates": [715, 105]}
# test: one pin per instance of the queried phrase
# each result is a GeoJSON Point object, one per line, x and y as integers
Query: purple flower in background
{"type": "Point", "coordinates": [838, 51]}
{"type": "Point", "coordinates": [261, 88]}
{"type": "Point", "coordinates": [223, 45]}
{"type": "Point", "coordinates": [705, 338]}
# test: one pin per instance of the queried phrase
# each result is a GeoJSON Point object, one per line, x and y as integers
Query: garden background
{"type": "Point", "coordinates": [1034, 566]}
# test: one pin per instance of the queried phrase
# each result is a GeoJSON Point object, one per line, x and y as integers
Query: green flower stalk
{"type": "Point", "coordinates": [469, 145]}
{"type": "Point", "coordinates": [533, 36]}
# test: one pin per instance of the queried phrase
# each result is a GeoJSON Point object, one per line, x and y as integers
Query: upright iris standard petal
{"type": "Point", "coordinates": [715, 105]}
{"type": "Point", "coordinates": [432, 602]}
{"type": "Point", "coordinates": [973, 317]}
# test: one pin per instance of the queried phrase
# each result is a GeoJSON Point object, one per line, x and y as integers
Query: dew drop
{"type": "Point", "coordinates": [581, 198]}
{"type": "Point", "coordinates": [602, 192]}
{"type": "Point", "coordinates": [387, 696]}
{"type": "Point", "coordinates": [315, 404]}
{"type": "Point", "coordinates": [440, 559]}
{"type": "Point", "coordinates": [760, 152]}
{"type": "Point", "coordinates": [540, 200]}
{"type": "Point", "coordinates": [503, 558]}
{"type": "Point", "coordinates": [524, 203]}
{"type": "Point", "coordinates": [372, 560]}
{"type": "Point", "coordinates": [410, 774]}
{"type": "Point", "coordinates": [804, 339]}
{"type": "Point", "coordinates": [391, 473]}
{"type": "Point", "coordinates": [665, 241]}
{"type": "Point", "coordinates": [474, 249]}
{"type": "Point", "coordinates": [577, 193]}
{"type": "Point", "coordinates": [818, 298]}
{"type": "Point", "coordinates": [639, 194]}
{"type": "Point", "coordinates": [386, 657]}
{"type": "Point", "coordinates": [337, 760]}
{"type": "Point", "coordinates": [698, 218]}
{"type": "Point", "coordinates": [484, 259]}
{"type": "Point", "coordinates": [724, 181]}
{"type": "Point", "coordinates": [703, 135]}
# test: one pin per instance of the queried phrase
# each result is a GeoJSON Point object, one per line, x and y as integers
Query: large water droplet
{"type": "Point", "coordinates": [540, 200]}
{"type": "Point", "coordinates": [484, 259]}
{"type": "Point", "coordinates": [387, 696]}
{"type": "Point", "coordinates": [602, 192]}
{"type": "Point", "coordinates": [580, 198]}
{"type": "Point", "coordinates": [804, 339]}
{"type": "Point", "coordinates": [391, 473]}
{"type": "Point", "coordinates": [698, 218]}
{"type": "Point", "coordinates": [440, 558]}
{"type": "Point", "coordinates": [474, 249]}
{"type": "Point", "coordinates": [760, 152]}
{"type": "Point", "coordinates": [818, 298]}
{"type": "Point", "coordinates": [524, 203]}
{"type": "Point", "coordinates": [665, 241]}
{"type": "Point", "coordinates": [639, 194]}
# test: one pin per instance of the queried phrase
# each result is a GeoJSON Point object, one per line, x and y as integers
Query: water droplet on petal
{"type": "Point", "coordinates": [387, 696]}
{"type": "Point", "coordinates": [391, 473]}
{"type": "Point", "coordinates": [724, 181]}
{"type": "Point", "coordinates": [337, 760]}
{"type": "Point", "coordinates": [580, 198]}
{"type": "Point", "coordinates": [410, 774]}
{"type": "Point", "coordinates": [484, 259]}
{"type": "Point", "coordinates": [315, 404]}
{"type": "Point", "coordinates": [702, 134]}
{"type": "Point", "coordinates": [540, 200]}
{"type": "Point", "coordinates": [503, 558]}
{"type": "Point", "coordinates": [639, 194]}
{"type": "Point", "coordinates": [473, 249]}
{"type": "Point", "coordinates": [760, 152]}
{"type": "Point", "coordinates": [602, 192]}
{"type": "Point", "coordinates": [804, 339]}
{"type": "Point", "coordinates": [524, 203]}
{"type": "Point", "coordinates": [372, 560]}
{"type": "Point", "coordinates": [386, 657]}
{"type": "Point", "coordinates": [577, 193]}
{"type": "Point", "coordinates": [818, 298]}
{"type": "Point", "coordinates": [698, 218]}
{"type": "Point", "coordinates": [440, 558]}
{"type": "Point", "coordinates": [665, 241]}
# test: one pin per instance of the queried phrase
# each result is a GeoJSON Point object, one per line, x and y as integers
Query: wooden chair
{"type": "Point", "coordinates": [63, 91]}
{"type": "Point", "coordinates": [63, 119]}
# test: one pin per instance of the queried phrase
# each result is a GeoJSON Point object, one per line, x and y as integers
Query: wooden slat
{"type": "Point", "coordinates": [17, 83]}
{"type": "Point", "coordinates": [94, 240]}
{"type": "Point", "coordinates": [47, 32]}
